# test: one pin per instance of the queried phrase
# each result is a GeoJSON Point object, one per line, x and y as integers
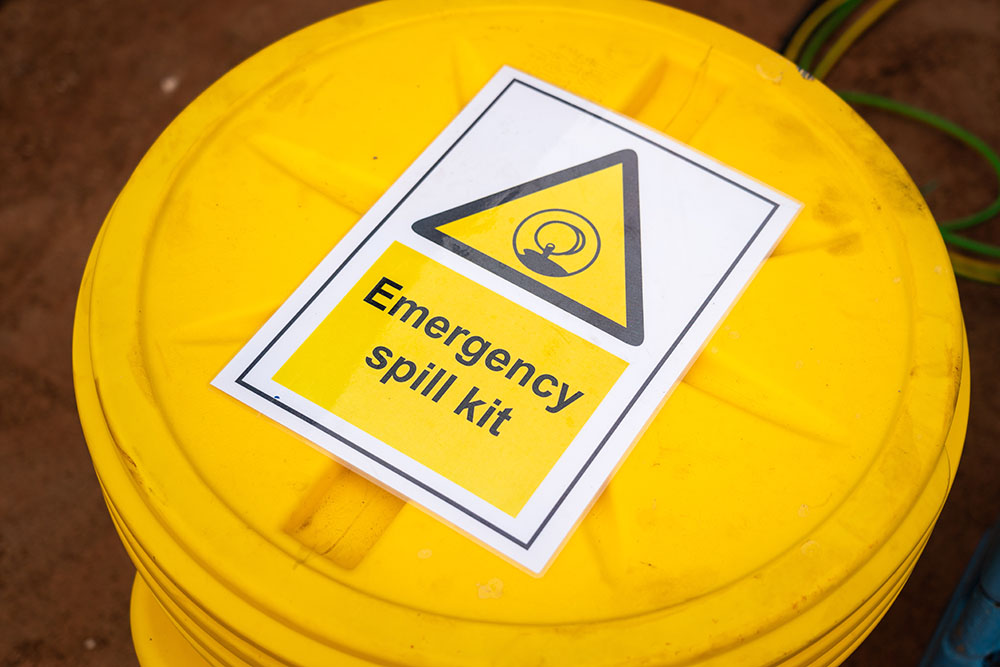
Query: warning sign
{"type": "Point", "coordinates": [493, 335]}
{"type": "Point", "coordinates": [538, 236]}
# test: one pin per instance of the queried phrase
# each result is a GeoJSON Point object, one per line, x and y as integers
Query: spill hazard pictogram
{"type": "Point", "coordinates": [571, 238]}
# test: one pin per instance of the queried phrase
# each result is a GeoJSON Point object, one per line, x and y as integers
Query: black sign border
{"type": "Point", "coordinates": [526, 545]}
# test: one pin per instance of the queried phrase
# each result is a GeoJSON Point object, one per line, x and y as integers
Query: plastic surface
{"type": "Point", "coordinates": [157, 641]}
{"type": "Point", "coordinates": [771, 511]}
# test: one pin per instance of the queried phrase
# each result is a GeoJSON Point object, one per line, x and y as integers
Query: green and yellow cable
{"type": "Point", "coordinates": [975, 269]}
{"type": "Point", "coordinates": [827, 27]}
{"type": "Point", "coordinates": [822, 23]}
{"type": "Point", "coordinates": [851, 35]}
{"type": "Point", "coordinates": [807, 27]}
{"type": "Point", "coordinates": [962, 135]}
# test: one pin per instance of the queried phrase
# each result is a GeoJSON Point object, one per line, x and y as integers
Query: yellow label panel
{"type": "Point", "coordinates": [465, 382]}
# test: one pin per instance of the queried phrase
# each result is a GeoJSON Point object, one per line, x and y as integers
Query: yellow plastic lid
{"type": "Point", "coordinates": [769, 514]}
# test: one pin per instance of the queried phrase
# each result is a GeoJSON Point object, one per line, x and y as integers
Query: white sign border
{"type": "Point", "coordinates": [535, 551]}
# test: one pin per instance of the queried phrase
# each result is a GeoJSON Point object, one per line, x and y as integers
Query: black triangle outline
{"type": "Point", "coordinates": [632, 331]}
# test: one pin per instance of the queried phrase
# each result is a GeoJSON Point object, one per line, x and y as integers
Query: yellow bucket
{"type": "Point", "coordinates": [770, 513]}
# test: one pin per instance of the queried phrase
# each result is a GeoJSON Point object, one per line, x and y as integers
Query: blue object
{"type": "Point", "coordinates": [968, 634]}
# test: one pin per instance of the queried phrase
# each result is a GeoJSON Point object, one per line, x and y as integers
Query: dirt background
{"type": "Point", "coordinates": [85, 88]}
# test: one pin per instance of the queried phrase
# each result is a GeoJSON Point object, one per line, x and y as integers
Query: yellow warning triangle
{"type": "Point", "coordinates": [571, 238]}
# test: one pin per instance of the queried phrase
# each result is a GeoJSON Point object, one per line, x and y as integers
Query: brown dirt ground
{"type": "Point", "coordinates": [84, 91]}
